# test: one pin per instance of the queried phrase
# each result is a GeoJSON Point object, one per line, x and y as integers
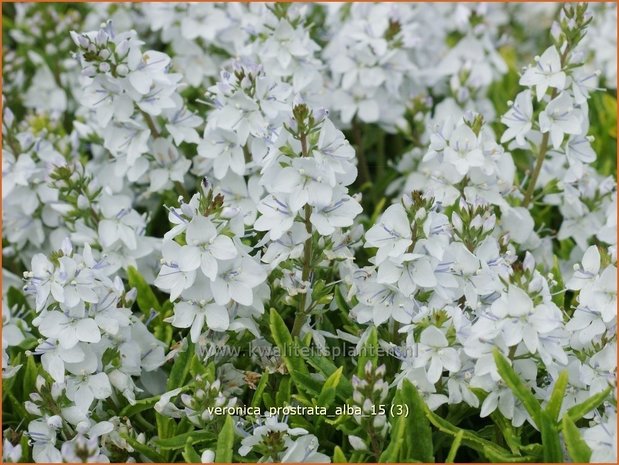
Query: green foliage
{"type": "Point", "coordinates": [225, 442]}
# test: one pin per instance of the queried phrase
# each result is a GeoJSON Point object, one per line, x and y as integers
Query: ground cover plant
{"type": "Point", "coordinates": [309, 232]}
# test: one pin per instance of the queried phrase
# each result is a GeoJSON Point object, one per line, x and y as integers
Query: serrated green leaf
{"type": "Point", "coordinates": [556, 398]}
{"type": "Point", "coordinates": [577, 448]}
{"type": "Point", "coordinates": [420, 445]}
{"type": "Point", "coordinates": [225, 442]}
{"type": "Point", "coordinates": [283, 393]}
{"type": "Point", "coordinates": [578, 411]}
{"type": "Point", "coordinates": [520, 390]}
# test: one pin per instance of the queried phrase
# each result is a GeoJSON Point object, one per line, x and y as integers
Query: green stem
{"type": "Point", "coordinates": [543, 148]}
{"type": "Point", "coordinates": [364, 170]}
{"type": "Point", "coordinates": [380, 168]}
{"type": "Point", "coordinates": [151, 124]}
{"type": "Point", "coordinates": [299, 319]}
{"type": "Point", "coordinates": [528, 196]}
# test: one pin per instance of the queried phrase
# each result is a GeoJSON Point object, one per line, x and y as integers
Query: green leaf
{"type": "Point", "coordinates": [341, 301]}
{"type": "Point", "coordinates": [455, 445]}
{"type": "Point", "coordinates": [264, 380]}
{"type": "Point", "coordinates": [146, 298]}
{"type": "Point", "coordinates": [338, 455]}
{"type": "Point", "coordinates": [578, 449]}
{"type": "Point", "coordinates": [180, 440]}
{"type": "Point", "coordinates": [139, 406]}
{"type": "Point", "coordinates": [520, 390]}
{"type": "Point", "coordinates": [418, 427]}
{"type": "Point", "coordinates": [469, 438]}
{"type": "Point", "coordinates": [30, 375]}
{"type": "Point", "coordinates": [578, 411]}
{"type": "Point", "coordinates": [225, 442]}
{"type": "Point", "coordinates": [368, 353]}
{"type": "Point", "coordinates": [550, 439]}
{"type": "Point", "coordinates": [181, 367]}
{"type": "Point", "coordinates": [398, 439]}
{"type": "Point", "coordinates": [16, 298]}
{"type": "Point", "coordinates": [327, 368]}
{"type": "Point", "coordinates": [190, 455]}
{"type": "Point", "coordinates": [143, 449]}
{"type": "Point", "coordinates": [290, 350]}
{"type": "Point", "coordinates": [556, 398]}
{"type": "Point", "coordinates": [493, 456]}
{"type": "Point", "coordinates": [283, 394]}
{"type": "Point", "coordinates": [327, 394]}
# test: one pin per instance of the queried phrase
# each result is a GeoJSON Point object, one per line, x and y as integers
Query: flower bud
{"type": "Point", "coordinates": [208, 456]}
{"type": "Point", "coordinates": [55, 422]}
{"type": "Point", "coordinates": [122, 70]}
{"type": "Point", "coordinates": [357, 443]}
{"type": "Point", "coordinates": [104, 54]}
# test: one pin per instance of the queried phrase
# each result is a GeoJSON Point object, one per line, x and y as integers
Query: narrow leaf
{"type": "Point", "coordinates": [225, 442]}
{"type": "Point", "coordinates": [520, 390]}
{"type": "Point", "coordinates": [146, 298]}
{"type": "Point", "coordinates": [578, 449]}
{"type": "Point", "coordinates": [338, 455]}
{"type": "Point", "coordinates": [578, 411]}
{"type": "Point", "coordinates": [418, 426]}
{"type": "Point", "coordinates": [550, 439]}
{"type": "Point", "coordinates": [368, 352]}
{"type": "Point", "coordinates": [556, 398]}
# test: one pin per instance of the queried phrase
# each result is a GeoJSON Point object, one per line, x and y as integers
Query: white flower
{"type": "Point", "coordinates": [277, 215]}
{"type": "Point", "coordinates": [222, 146]}
{"type": "Point", "coordinates": [518, 119]}
{"type": "Point", "coordinates": [545, 73]}
{"type": "Point", "coordinates": [83, 389]}
{"type": "Point", "coordinates": [434, 348]}
{"type": "Point", "coordinates": [178, 271]}
{"type": "Point", "coordinates": [210, 246]}
{"type": "Point", "coordinates": [463, 150]}
{"type": "Point", "coordinates": [560, 117]}
{"type": "Point", "coordinates": [69, 330]}
{"type": "Point", "coordinates": [602, 295]}
{"type": "Point", "coordinates": [236, 280]}
{"type": "Point", "coordinates": [195, 314]}
{"type": "Point", "coordinates": [392, 234]}
{"type": "Point", "coordinates": [519, 320]}
{"type": "Point", "coordinates": [339, 214]}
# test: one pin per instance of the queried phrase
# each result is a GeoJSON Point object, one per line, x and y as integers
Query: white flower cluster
{"type": "Point", "coordinates": [220, 284]}
{"type": "Point", "coordinates": [280, 443]}
{"type": "Point", "coordinates": [127, 89]}
{"type": "Point", "coordinates": [92, 344]}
